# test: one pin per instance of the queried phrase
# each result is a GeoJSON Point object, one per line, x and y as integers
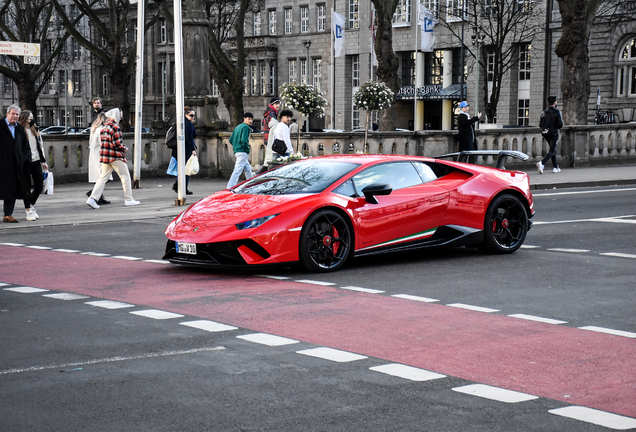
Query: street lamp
{"type": "Point", "coordinates": [163, 86]}
{"type": "Point", "coordinates": [307, 44]}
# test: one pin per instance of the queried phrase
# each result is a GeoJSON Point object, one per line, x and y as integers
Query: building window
{"type": "Point", "coordinates": [354, 14]}
{"type": "Point", "coordinates": [455, 9]}
{"type": "Point", "coordinates": [457, 67]}
{"type": "Point", "coordinates": [40, 117]}
{"type": "Point", "coordinates": [79, 118]}
{"type": "Point", "coordinates": [272, 23]}
{"type": "Point", "coordinates": [402, 15]}
{"type": "Point", "coordinates": [317, 75]}
{"type": "Point", "coordinates": [162, 31]}
{"type": "Point", "coordinates": [523, 112]}
{"type": "Point", "coordinates": [257, 23]}
{"type": "Point", "coordinates": [434, 67]}
{"type": "Point", "coordinates": [431, 5]}
{"type": "Point", "coordinates": [50, 117]}
{"type": "Point", "coordinates": [408, 69]}
{"type": "Point", "coordinates": [322, 17]}
{"type": "Point", "coordinates": [215, 88]}
{"type": "Point", "coordinates": [524, 62]}
{"type": "Point", "coordinates": [76, 49]}
{"type": "Point", "coordinates": [8, 84]}
{"type": "Point", "coordinates": [272, 77]}
{"type": "Point", "coordinates": [355, 71]}
{"type": "Point", "coordinates": [626, 69]}
{"type": "Point", "coordinates": [246, 86]}
{"type": "Point", "coordinates": [63, 81]}
{"type": "Point", "coordinates": [52, 86]}
{"type": "Point", "coordinates": [254, 76]}
{"type": "Point", "coordinates": [490, 66]}
{"type": "Point", "coordinates": [105, 86]}
{"type": "Point", "coordinates": [523, 6]}
{"type": "Point", "coordinates": [292, 71]}
{"type": "Point", "coordinates": [303, 71]}
{"type": "Point", "coordinates": [355, 117]}
{"type": "Point", "coordinates": [288, 20]}
{"type": "Point", "coordinates": [263, 84]}
{"type": "Point", "coordinates": [304, 19]}
{"type": "Point", "coordinates": [77, 81]}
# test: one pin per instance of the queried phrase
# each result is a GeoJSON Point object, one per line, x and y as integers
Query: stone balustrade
{"type": "Point", "coordinates": [578, 146]}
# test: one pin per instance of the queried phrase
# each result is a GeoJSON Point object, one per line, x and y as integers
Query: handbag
{"type": "Point", "coordinates": [192, 166]}
{"type": "Point", "coordinates": [50, 183]}
{"type": "Point", "coordinates": [172, 168]}
{"type": "Point", "coordinates": [279, 147]}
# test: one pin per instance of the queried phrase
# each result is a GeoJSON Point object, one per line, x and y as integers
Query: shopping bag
{"type": "Point", "coordinates": [172, 168]}
{"type": "Point", "coordinates": [49, 183]}
{"type": "Point", "coordinates": [192, 166]}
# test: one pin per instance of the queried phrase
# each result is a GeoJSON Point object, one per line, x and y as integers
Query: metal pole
{"type": "Point", "coordinates": [333, 66]}
{"type": "Point", "coordinates": [163, 86]}
{"type": "Point", "coordinates": [461, 90]}
{"type": "Point", "coordinates": [179, 102]}
{"type": "Point", "coordinates": [66, 98]}
{"type": "Point", "coordinates": [478, 41]}
{"type": "Point", "coordinates": [417, 21]}
{"type": "Point", "coordinates": [139, 86]}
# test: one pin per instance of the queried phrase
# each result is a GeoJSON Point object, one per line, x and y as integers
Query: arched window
{"type": "Point", "coordinates": [626, 70]}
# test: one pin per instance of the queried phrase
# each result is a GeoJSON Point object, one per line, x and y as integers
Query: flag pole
{"type": "Point", "coordinates": [333, 66]}
{"type": "Point", "coordinates": [417, 20]}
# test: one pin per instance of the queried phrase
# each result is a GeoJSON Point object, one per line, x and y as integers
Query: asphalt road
{"type": "Point", "coordinates": [68, 365]}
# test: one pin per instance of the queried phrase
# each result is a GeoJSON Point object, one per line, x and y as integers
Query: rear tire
{"type": "Point", "coordinates": [325, 242]}
{"type": "Point", "coordinates": [505, 225]}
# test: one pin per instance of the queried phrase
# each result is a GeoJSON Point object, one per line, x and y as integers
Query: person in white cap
{"type": "Point", "coordinates": [465, 127]}
{"type": "Point", "coordinates": [112, 155]}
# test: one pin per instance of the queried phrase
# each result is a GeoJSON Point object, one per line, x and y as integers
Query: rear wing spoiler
{"type": "Point", "coordinates": [501, 155]}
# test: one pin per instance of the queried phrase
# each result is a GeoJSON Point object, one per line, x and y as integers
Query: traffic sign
{"type": "Point", "coordinates": [19, 48]}
{"type": "Point", "coordinates": [35, 60]}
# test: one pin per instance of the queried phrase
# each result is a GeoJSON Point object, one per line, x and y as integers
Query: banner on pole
{"type": "Point", "coordinates": [374, 59]}
{"type": "Point", "coordinates": [337, 27]}
{"type": "Point", "coordinates": [427, 22]}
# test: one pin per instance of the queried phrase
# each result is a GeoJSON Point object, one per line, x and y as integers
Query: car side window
{"type": "Point", "coordinates": [399, 175]}
{"type": "Point", "coordinates": [426, 172]}
{"type": "Point", "coordinates": [346, 189]}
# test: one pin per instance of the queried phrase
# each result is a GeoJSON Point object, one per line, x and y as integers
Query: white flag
{"type": "Point", "coordinates": [427, 23]}
{"type": "Point", "coordinates": [374, 58]}
{"type": "Point", "coordinates": [337, 27]}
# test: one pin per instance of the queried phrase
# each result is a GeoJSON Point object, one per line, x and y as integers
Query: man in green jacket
{"type": "Point", "coordinates": [240, 141]}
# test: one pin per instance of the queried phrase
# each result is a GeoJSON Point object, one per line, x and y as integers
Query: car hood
{"type": "Point", "coordinates": [227, 208]}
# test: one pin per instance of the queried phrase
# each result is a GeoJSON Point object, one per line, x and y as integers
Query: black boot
{"type": "Point", "coordinates": [102, 200]}
{"type": "Point", "coordinates": [174, 187]}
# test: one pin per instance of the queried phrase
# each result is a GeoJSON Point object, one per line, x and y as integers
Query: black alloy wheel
{"type": "Point", "coordinates": [325, 242]}
{"type": "Point", "coordinates": [505, 225]}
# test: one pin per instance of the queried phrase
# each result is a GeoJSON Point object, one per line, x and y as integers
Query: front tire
{"type": "Point", "coordinates": [325, 242]}
{"type": "Point", "coordinates": [505, 225]}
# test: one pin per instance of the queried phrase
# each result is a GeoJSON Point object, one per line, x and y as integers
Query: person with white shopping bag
{"type": "Point", "coordinates": [34, 164]}
{"type": "Point", "coordinates": [112, 155]}
{"type": "Point", "coordinates": [190, 149]}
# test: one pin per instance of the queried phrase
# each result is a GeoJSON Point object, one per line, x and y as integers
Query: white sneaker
{"type": "Point", "coordinates": [132, 202]}
{"type": "Point", "coordinates": [35, 213]}
{"type": "Point", "coordinates": [29, 215]}
{"type": "Point", "coordinates": [556, 170]}
{"type": "Point", "coordinates": [540, 167]}
{"type": "Point", "coordinates": [92, 203]}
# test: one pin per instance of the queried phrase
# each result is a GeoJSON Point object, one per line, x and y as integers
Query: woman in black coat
{"type": "Point", "coordinates": [14, 151]}
{"type": "Point", "coordinates": [465, 126]}
{"type": "Point", "coordinates": [190, 147]}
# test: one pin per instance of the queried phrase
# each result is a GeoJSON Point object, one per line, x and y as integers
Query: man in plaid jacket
{"type": "Point", "coordinates": [112, 156]}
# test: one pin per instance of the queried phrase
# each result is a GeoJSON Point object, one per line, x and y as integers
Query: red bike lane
{"type": "Point", "coordinates": [577, 366]}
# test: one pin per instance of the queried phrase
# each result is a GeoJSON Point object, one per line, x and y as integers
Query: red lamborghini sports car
{"type": "Point", "coordinates": [324, 210]}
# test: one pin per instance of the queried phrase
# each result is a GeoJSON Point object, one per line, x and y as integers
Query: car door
{"type": "Point", "coordinates": [410, 213]}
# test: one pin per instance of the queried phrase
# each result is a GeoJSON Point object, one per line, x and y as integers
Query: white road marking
{"type": "Point", "coordinates": [157, 261]}
{"type": "Point", "coordinates": [112, 359]}
{"type": "Point", "coordinates": [109, 304]}
{"type": "Point", "coordinates": [537, 319]}
{"type": "Point", "coordinates": [407, 372]}
{"type": "Point", "coordinates": [365, 290]}
{"type": "Point", "coordinates": [615, 219]}
{"type": "Point", "coordinates": [65, 296]}
{"type": "Point", "coordinates": [472, 308]}
{"type": "Point", "coordinates": [40, 247]}
{"type": "Point", "coordinates": [157, 314]}
{"type": "Point", "coordinates": [416, 298]}
{"type": "Point", "coordinates": [569, 250]}
{"type": "Point", "coordinates": [126, 258]}
{"type": "Point", "coordinates": [268, 339]}
{"type": "Point", "coordinates": [97, 254]}
{"type": "Point", "coordinates": [529, 247]}
{"type": "Point", "coordinates": [582, 192]}
{"type": "Point", "coordinates": [495, 393]}
{"type": "Point", "coordinates": [597, 417]}
{"type": "Point", "coordinates": [618, 254]}
{"type": "Point", "coordinates": [12, 244]}
{"type": "Point", "coordinates": [25, 290]}
{"type": "Point", "coordinates": [273, 277]}
{"type": "Point", "coordinates": [332, 354]}
{"type": "Point", "coordinates": [610, 331]}
{"type": "Point", "coordinates": [313, 282]}
{"type": "Point", "coordinates": [209, 326]}
{"type": "Point", "coordinates": [66, 250]}
{"type": "Point", "coordinates": [3, 284]}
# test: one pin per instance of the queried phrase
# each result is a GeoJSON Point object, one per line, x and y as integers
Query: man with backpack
{"type": "Point", "coordinates": [550, 123]}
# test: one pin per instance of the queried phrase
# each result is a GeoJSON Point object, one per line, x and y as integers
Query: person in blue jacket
{"type": "Point", "coordinates": [190, 147]}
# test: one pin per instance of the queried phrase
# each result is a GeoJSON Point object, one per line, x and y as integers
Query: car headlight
{"type": "Point", "coordinates": [254, 222]}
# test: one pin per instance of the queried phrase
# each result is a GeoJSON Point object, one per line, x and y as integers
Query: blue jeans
{"type": "Point", "coordinates": [551, 155]}
{"type": "Point", "coordinates": [242, 164]}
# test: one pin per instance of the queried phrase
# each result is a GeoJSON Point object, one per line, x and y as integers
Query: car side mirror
{"type": "Point", "coordinates": [372, 190]}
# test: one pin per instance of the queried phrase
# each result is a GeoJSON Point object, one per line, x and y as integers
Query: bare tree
{"type": "Point", "coordinates": [30, 21]}
{"type": "Point", "coordinates": [110, 20]}
{"type": "Point", "coordinates": [503, 26]}
{"type": "Point", "coordinates": [388, 62]}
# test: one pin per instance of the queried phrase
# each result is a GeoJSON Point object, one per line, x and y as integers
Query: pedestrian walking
{"type": "Point", "coordinates": [94, 146]}
{"type": "Point", "coordinates": [112, 155]}
{"type": "Point", "coordinates": [270, 112]}
{"type": "Point", "coordinates": [190, 146]}
{"type": "Point", "coordinates": [97, 108]}
{"type": "Point", "coordinates": [550, 123]}
{"type": "Point", "coordinates": [465, 126]}
{"type": "Point", "coordinates": [14, 150]}
{"type": "Point", "coordinates": [240, 140]}
{"type": "Point", "coordinates": [33, 165]}
{"type": "Point", "coordinates": [282, 131]}
{"type": "Point", "coordinates": [269, 153]}
{"type": "Point", "coordinates": [293, 127]}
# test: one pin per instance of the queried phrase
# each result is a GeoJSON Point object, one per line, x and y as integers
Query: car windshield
{"type": "Point", "coordinates": [309, 176]}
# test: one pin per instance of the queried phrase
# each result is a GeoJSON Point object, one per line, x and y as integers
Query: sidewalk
{"type": "Point", "coordinates": [68, 205]}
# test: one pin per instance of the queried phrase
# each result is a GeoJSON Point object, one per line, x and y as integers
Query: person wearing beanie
{"type": "Point", "coordinates": [112, 155]}
{"type": "Point", "coordinates": [271, 112]}
{"type": "Point", "coordinates": [240, 141]}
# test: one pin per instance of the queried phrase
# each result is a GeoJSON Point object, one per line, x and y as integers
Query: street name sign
{"type": "Point", "coordinates": [20, 48]}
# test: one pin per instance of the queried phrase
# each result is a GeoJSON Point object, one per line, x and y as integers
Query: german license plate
{"type": "Point", "coordinates": [186, 248]}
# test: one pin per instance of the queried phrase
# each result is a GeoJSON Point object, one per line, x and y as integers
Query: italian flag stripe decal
{"type": "Point", "coordinates": [421, 235]}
